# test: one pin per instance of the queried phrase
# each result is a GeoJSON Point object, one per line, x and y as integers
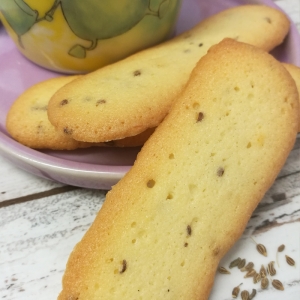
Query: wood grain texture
{"type": "Point", "coordinates": [36, 239]}
{"type": "Point", "coordinates": [15, 183]}
{"type": "Point", "coordinates": [37, 236]}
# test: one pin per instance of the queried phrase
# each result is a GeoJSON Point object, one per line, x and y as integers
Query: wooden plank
{"type": "Point", "coordinates": [15, 183]}
{"type": "Point", "coordinates": [37, 238]}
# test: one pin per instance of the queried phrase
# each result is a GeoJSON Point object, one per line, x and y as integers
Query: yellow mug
{"type": "Point", "coordinates": [78, 36]}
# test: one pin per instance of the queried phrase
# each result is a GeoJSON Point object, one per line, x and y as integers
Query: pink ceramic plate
{"type": "Point", "coordinates": [93, 168]}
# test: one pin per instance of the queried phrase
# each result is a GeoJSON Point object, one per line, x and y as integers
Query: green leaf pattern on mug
{"type": "Point", "coordinates": [90, 20]}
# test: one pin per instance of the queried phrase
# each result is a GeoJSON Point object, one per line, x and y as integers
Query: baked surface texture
{"type": "Point", "coordinates": [131, 141]}
{"type": "Point", "coordinates": [27, 120]}
{"type": "Point", "coordinates": [295, 72]}
{"type": "Point", "coordinates": [165, 226]}
{"type": "Point", "coordinates": [126, 98]}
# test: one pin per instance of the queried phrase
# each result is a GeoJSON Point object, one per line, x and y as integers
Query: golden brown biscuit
{"type": "Point", "coordinates": [295, 72]}
{"type": "Point", "coordinates": [126, 98]}
{"type": "Point", "coordinates": [166, 225]}
{"type": "Point", "coordinates": [131, 141]}
{"type": "Point", "coordinates": [27, 120]}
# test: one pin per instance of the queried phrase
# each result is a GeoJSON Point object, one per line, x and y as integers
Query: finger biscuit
{"type": "Point", "coordinates": [27, 120]}
{"type": "Point", "coordinates": [165, 226]}
{"type": "Point", "coordinates": [295, 73]}
{"type": "Point", "coordinates": [126, 98]}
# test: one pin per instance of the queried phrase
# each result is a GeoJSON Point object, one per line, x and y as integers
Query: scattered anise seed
{"type": "Point", "coordinates": [236, 290]}
{"type": "Point", "coordinates": [263, 272]}
{"type": "Point", "coordinates": [277, 284]}
{"type": "Point", "coordinates": [250, 273]}
{"type": "Point", "coordinates": [253, 294]}
{"type": "Point", "coordinates": [242, 263]}
{"type": "Point", "coordinates": [223, 270]}
{"type": "Point", "coordinates": [264, 283]}
{"type": "Point", "coordinates": [279, 249]}
{"type": "Point", "coordinates": [245, 295]}
{"type": "Point", "coordinates": [271, 269]}
{"type": "Point", "coordinates": [256, 278]}
{"type": "Point", "coordinates": [248, 267]}
{"type": "Point", "coordinates": [260, 248]}
{"type": "Point", "coordinates": [234, 263]}
{"type": "Point", "coordinates": [289, 260]}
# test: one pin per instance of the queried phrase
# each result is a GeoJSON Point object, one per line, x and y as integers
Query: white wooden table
{"type": "Point", "coordinates": [41, 221]}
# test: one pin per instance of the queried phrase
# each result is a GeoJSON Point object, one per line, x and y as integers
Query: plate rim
{"type": "Point", "coordinates": [49, 165]}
